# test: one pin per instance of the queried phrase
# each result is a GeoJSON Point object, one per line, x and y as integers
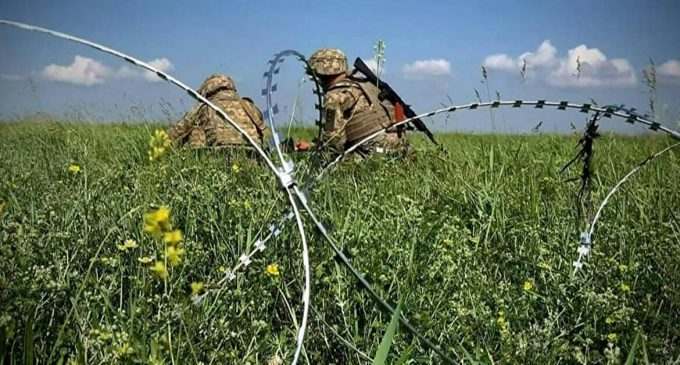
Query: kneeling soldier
{"type": "Point", "coordinates": [203, 127]}
{"type": "Point", "coordinates": [353, 109]}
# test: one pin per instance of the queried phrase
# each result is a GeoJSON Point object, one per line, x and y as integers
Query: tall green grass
{"type": "Point", "coordinates": [460, 231]}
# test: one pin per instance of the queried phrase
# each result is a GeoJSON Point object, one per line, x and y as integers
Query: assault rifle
{"type": "Point", "coordinates": [402, 110]}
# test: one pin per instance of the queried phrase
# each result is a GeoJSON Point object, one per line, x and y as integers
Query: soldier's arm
{"type": "Point", "coordinates": [183, 127]}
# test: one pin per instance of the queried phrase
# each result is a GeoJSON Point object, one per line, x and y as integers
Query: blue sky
{"type": "Point", "coordinates": [435, 50]}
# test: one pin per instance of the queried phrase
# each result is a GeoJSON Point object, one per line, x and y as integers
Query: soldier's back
{"type": "Point", "coordinates": [242, 111]}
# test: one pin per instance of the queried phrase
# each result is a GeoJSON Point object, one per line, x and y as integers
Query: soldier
{"type": "Point", "coordinates": [203, 127]}
{"type": "Point", "coordinates": [353, 109]}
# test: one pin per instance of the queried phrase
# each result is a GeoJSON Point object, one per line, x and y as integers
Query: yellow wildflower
{"type": "Point", "coordinates": [174, 255]}
{"type": "Point", "coordinates": [235, 168]}
{"type": "Point", "coordinates": [158, 144]}
{"type": "Point", "coordinates": [152, 229]}
{"type": "Point", "coordinates": [272, 270]}
{"type": "Point", "coordinates": [503, 325]}
{"type": "Point", "coordinates": [127, 245]}
{"type": "Point", "coordinates": [160, 138]}
{"type": "Point", "coordinates": [109, 261]}
{"type": "Point", "coordinates": [145, 260]}
{"type": "Point", "coordinates": [528, 285]}
{"type": "Point", "coordinates": [157, 221]}
{"type": "Point", "coordinates": [74, 169]}
{"type": "Point", "coordinates": [156, 153]}
{"type": "Point", "coordinates": [173, 237]}
{"type": "Point", "coordinates": [197, 288]}
{"type": "Point", "coordinates": [612, 337]}
{"type": "Point", "coordinates": [159, 269]}
{"type": "Point", "coordinates": [162, 215]}
{"type": "Point", "coordinates": [625, 287]}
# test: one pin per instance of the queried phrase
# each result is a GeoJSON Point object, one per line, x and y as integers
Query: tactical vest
{"type": "Point", "coordinates": [253, 116]}
{"type": "Point", "coordinates": [379, 115]}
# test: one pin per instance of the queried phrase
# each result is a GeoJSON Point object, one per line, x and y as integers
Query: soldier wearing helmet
{"type": "Point", "coordinates": [203, 127]}
{"type": "Point", "coordinates": [353, 107]}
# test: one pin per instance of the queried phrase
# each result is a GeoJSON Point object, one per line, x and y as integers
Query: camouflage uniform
{"type": "Point", "coordinates": [353, 109]}
{"type": "Point", "coordinates": [203, 127]}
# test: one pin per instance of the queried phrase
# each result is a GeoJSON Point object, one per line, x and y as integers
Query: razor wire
{"type": "Point", "coordinates": [283, 173]}
{"type": "Point", "coordinates": [271, 87]}
{"type": "Point", "coordinates": [586, 236]}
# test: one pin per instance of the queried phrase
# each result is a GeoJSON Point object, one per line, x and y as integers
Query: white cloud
{"type": "Point", "coordinates": [670, 68]}
{"type": "Point", "coordinates": [582, 67]}
{"type": "Point", "coordinates": [83, 71]}
{"type": "Point", "coordinates": [501, 62]}
{"type": "Point", "coordinates": [422, 69]}
{"type": "Point", "coordinates": [88, 72]}
{"type": "Point", "coordinates": [588, 67]}
{"type": "Point", "coordinates": [543, 56]}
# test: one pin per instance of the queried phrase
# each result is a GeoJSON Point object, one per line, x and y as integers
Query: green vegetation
{"type": "Point", "coordinates": [477, 243]}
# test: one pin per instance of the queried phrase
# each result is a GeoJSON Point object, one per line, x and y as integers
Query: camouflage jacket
{"type": "Point", "coordinates": [203, 127]}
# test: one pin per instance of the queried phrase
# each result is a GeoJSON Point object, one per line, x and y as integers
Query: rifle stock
{"type": "Point", "coordinates": [392, 96]}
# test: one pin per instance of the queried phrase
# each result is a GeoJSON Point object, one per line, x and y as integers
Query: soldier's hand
{"type": "Point", "coordinates": [303, 146]}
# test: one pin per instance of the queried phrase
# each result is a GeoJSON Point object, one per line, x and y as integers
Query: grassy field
{"type": "Point", "coordinates": [477, 242]}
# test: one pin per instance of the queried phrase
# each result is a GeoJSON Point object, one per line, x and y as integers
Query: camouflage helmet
{"type": "Point", "coordinates": [328, 61]}
{"type": "Point", "coordinates": [216, 82]}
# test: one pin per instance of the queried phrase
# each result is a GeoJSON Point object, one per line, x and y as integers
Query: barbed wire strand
{"type": "Point", "coordinates": [306, 292]}
{"type": "Point", "coordinates": [271, 87]}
